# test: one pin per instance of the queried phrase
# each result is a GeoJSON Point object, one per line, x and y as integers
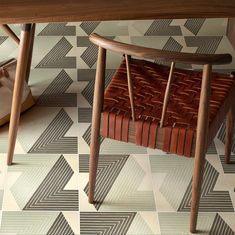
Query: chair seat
{"type": "Point", "coordinates": [149, 84]}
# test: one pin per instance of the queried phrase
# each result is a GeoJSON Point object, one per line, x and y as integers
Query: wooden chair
{"type": "Point", "coordinates": [175, 110]}
{"type": "Point", "coordinates": [11, 34]}
{"type": "Point", "coordinates": [22, 74]}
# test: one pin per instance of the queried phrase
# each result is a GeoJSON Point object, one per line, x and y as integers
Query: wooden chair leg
{"type": "Point", "coordinates": [96, 118]}
{"type": "Point", "coordinates": [21, 67]}
{"type": "Point", "coordinates": [201, 143]}
{"type": "Point", "coordinates": [30, 53]}
{"type": "Point", "coordinates": [230, 118]}
{"type": "Point", "coordinates": [9, 32]}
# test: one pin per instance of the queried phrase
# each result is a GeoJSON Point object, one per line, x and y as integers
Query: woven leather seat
{"type": "Point", "coordinates": [175, 110]}
{"type": "Point", "coordinates": [149, 85]}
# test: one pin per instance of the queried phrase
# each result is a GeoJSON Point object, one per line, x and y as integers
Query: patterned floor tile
{"type": "Point", "coordinates": [40, 182]}
{"type": "Point", "coordinates": [27, 223]}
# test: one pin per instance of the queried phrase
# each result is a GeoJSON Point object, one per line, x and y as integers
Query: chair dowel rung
{"type": "Point", "coordinates": [167, 93]}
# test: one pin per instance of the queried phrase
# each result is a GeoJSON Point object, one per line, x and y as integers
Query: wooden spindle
{"type": "Point", "coordinates": [167, 93]}
{"type": "Point", "coordinates": [130, 86]}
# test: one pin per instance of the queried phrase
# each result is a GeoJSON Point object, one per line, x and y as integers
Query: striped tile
{"type": "Point", "coordinates": [53, 139]}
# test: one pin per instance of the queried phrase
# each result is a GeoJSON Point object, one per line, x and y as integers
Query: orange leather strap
{"type": "Point", "coordinates": [181, 141]}
{"type": "Point", "coordinates": [145, 133]}
{"type": "Point", "coordinates": [153, 135]}
{"type": "Point", "coordinates": [188, 142]}
{"type": "Point", "coordinates": [118, 130]}
{"type": "Point", "coordinates": [105, 124]}
{"type": "Point", "coordinates": [138, 135]}
{"type": "Point", "coordinates": [125, 127]}
{"type": "Point", "coordinates": [112, 118]}
{"type": "Point", "coordinates": [167, 139]}
{"type": "Point", "coordinates": [174, 140]}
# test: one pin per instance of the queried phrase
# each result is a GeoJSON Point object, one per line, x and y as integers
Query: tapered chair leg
{"type": "Point", "coordinates": [201, 143]}
{"type": "Point", "coordinates": [96, 118]}
{"type": "Point", "coordinates": [30, 53]}
{"type": "Point", "coordinates": [21, 68]}
{"type": "Point", "coordinates": [9, 32]}
{"type": "Point", "coordinates": [229, 133]}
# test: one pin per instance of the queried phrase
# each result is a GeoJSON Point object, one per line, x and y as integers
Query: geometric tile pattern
{"type": "Point", "coordinates": [228, 168]}
{"type": "Point", "coordinates": [17, 222]}
{"type": "Point", "coordinates": [55, 96]}
{"type": "Point", "coordinates": [53, 139]}
{"type": "Point", "coordinates": [219, 226]}
{"type": "Point", "coordinates": [58, 29]}
{"type": "Point", "coordinates": [221, 136]}
{"type": "Point", "coordinates": [105, 223]}
{"type": "Point", "coordinates": [178, 223]}
{"type": "Point", "coordinates": [208, 223]}
{"type": "Point", "coordinates": [60, 226]}
{"type": "Point", "coordinates": [204, 44]}
{"type": "Point", "coordinates": [84, 115]}
{"type": "Point", "coordinates": [3, 144]}
{"type": "Point", "coordinates": [89, 27]}
{"type": "Point", "coordinates": [177, 173]}
{"type": "Point", "coordinates": [172, 45]}
{"type": "Point", "coordinates": [139, 190]}
{"type": "Point", "coordinates": [136, 194]}
{"type": "Point", "coordinates": [87, 136]}
{"type": "Point", "coordinates": [211, 200]}
{"type": "Point", "coordinates": [163, 28]}
{"type": "Point", "coordinates": [90, 54]}
{"type": "Point", "coordinates": [212, 148]}
{"type": "Point", "coordinates": [50, 195]}
{"type": "Point", "coordinates": [108, 165]}
{"type": "Point", "coordinates": [88, 90]}
{"type": "Point", "coordinates": [56, 57]}
{"type": "Point", "coordinates": [194, 25]}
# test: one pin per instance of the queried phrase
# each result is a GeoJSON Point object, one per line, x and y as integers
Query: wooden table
{"type": "Point", "coordinates": [27, 12]}
{"type": "Point", "coordinates": [35, 11]}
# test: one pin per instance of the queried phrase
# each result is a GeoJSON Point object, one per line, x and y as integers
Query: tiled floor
{"type": "Point", "coordinates": [146, 192]}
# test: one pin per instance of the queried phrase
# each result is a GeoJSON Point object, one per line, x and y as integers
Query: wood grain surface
{"type": "Point", "coordinates": [231, 31]}
{"type": "Point", "coordinates": [151, 53]}
{"type": "Point", "coordinates": [35, 11]}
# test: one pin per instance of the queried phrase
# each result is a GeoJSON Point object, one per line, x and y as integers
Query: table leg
{"type": "Point", "coordinates": [31, 52]}
{"type": "Point", "coordinates": [21, 69]}
{"type": "Point", "coordinates": [231, 31]}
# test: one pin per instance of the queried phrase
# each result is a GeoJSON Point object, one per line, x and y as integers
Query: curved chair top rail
{"type": "Point", "coordinates": [151, 53]}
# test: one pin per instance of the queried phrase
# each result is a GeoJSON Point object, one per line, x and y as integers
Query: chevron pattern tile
{"type": "Point", "coordinates": [106, 222]}
{"type": "Point", "coordinates": [139, 191]}
{"type": "Point", "coordinates": [60, 29]}
{"type": "Point", "coordinates": [55, 94]}
{"type": "Point", "coordinates": [194, 25]}
{"type": "Point", "coordinates": [163, 28]}
{"type": "Point", "coordinates": [58, 142]}
{"type": "Point", "coordinates": [57, 58]}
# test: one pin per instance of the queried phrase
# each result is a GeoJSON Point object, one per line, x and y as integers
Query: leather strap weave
{"type": "Point", "coordinates": [149, 81]}
{"type": "Point", "coordinates": [115, 126]}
